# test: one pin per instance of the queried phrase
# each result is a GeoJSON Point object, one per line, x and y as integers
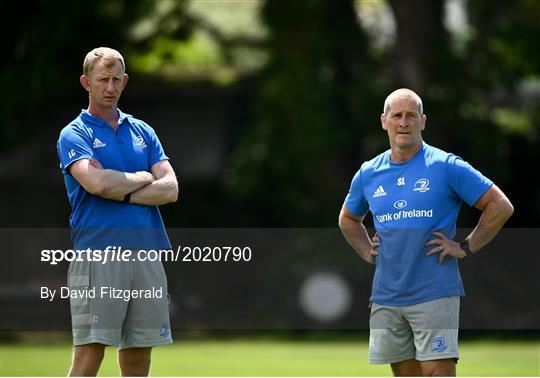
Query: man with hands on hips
{"type": "Point", "coordinates": [414, 192]}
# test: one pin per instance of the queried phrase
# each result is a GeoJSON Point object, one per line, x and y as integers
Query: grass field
{"type": "Point", "coordinates": [273, 358]}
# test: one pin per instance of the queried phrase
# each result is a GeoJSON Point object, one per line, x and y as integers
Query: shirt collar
{"type": "Point", "coordinates": [122, 116]}
{"type": "Point", "coordinates": [87, 116]}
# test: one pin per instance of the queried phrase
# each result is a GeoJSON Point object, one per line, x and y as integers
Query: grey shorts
{"type": "Point", "coordinates": [425, 331]}
{"type": "Point", "coordinates": [124, 304]}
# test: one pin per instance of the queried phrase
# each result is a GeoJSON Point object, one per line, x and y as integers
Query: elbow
{"type": "Point", "coordinates": [174, 196]}
{"type": "Point", "coordinates": [348, 221]}
{"type": "Point", "coordinates": [173, 193]}
{"type": "Point", "coordinates": [341, 221]}
{"type": "Point", "coordinates": [503, 208]}
{"type": "Point", "coordinates": [509, 209]}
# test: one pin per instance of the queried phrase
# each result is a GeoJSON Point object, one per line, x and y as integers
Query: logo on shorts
{"type": "Point", "coordinates": [164, 330]}
{"type": "Point", "coordinates": [438, 344]}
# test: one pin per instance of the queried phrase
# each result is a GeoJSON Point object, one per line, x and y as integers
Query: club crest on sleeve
{"type": "Point", "coordinates": [139, 142]}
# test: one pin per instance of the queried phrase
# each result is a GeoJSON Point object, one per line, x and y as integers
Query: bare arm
{"type": "Point", "coordinates": [356, 235]}
{"type": "Point", "coordinates": [161, 191]}
{"type": "Point", "coordinates": [107, 183]}
{"type": "Point", "coordinates": [496, 209]}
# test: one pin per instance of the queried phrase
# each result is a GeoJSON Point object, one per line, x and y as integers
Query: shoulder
{"type": "Point", "coordinates": [77, 127]}
{"type": "Point", "coordinates": [378, 163]}
{"type": "Point", "coordinates": [140, 125]}
{"type": "Point", "coordinates": [369, 167]}
{"type": "Point", "coordinates": [135, 122]}
{"type": "Point", "coordinates": [452, 165]}
{"type": "Point", "coordinates": [437, 156]}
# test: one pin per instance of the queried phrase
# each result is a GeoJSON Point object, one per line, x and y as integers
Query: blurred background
{"type": "Point", "coordinates": [267, 109]}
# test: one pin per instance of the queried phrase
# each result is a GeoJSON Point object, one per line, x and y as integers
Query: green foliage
{"type": "Point", "coordinates": [512, 122]}
{"type": "Point", "coordinates": [200, 41]}
{"type": "Point", "coordinates": [45, 45]}
{"type": "Point", "coordinates": [315, 116]}
{"type": "Point", "coordinates": [312, 77]}
{"type": "Point", "coordinates": [307, 103]}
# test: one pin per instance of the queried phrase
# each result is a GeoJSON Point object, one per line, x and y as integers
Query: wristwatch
{"type": "Point", "coordinates": [464, 245]}
{"type": "Point", "coordinates": [127, 198]}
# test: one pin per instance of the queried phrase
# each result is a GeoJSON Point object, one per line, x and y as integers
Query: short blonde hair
{"type": "Point", "coordinates": [108, 55]}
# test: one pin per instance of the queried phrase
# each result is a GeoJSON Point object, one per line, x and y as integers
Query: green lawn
{"type": "Point", "coordinates": [273, 358]}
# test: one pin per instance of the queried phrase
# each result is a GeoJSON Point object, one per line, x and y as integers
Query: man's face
{"type": "Point", "coordinates": [403, 122]}
{"type": "Point", "coordinates": [105, 83]}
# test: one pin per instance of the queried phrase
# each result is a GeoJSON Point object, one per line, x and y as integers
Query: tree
{"type": "Point", "coordinates": [45, 44]}
{"type": "Point", "coordinates": [289, 165]}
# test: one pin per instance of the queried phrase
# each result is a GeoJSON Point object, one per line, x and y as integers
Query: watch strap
{"type": "Point", "coordinates": [127, 198]}
{"type": "Point", "coordinates": [464, 245]}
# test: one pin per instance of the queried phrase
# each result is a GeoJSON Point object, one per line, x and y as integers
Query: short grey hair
{"type": "Point", "coordinates": [110, 56]}
{"type": "Point", "coordinates": [403, 92]}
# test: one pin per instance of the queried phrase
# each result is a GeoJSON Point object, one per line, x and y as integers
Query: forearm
{"type": "Point", "coordinates": [356, 235]}
{"type": "Point", "coordinates": [115, 184]}
{"type": "Point", "coordinates": [159, 192]}
{"type": "Point", "coordinates": [491, 221]}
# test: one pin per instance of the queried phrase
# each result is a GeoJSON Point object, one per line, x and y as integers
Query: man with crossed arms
{"type": "Point", "coordinates": [116, 173]}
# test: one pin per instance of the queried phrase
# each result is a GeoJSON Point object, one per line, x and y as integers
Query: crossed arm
{"type": "Point", "coordinates": [155, 188]}
{"type": "Point", "coordinates": [495, 207]}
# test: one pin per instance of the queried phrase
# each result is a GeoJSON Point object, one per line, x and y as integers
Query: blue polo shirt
{"type": "Point", "coordinates": [97, 222]}
{"type": "Point", "coordinates": [409, 201]}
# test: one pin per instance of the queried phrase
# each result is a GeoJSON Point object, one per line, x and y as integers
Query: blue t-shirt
{"type": "Point", "coordinates": [409, 201]}
{"type": "Point", "coordinates": [97, 222]}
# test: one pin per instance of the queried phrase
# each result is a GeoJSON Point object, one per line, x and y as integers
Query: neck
{"type": "Point", "coordinates": [401, 155]}
{"type": "Point", "coordinates": [109, 115]}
